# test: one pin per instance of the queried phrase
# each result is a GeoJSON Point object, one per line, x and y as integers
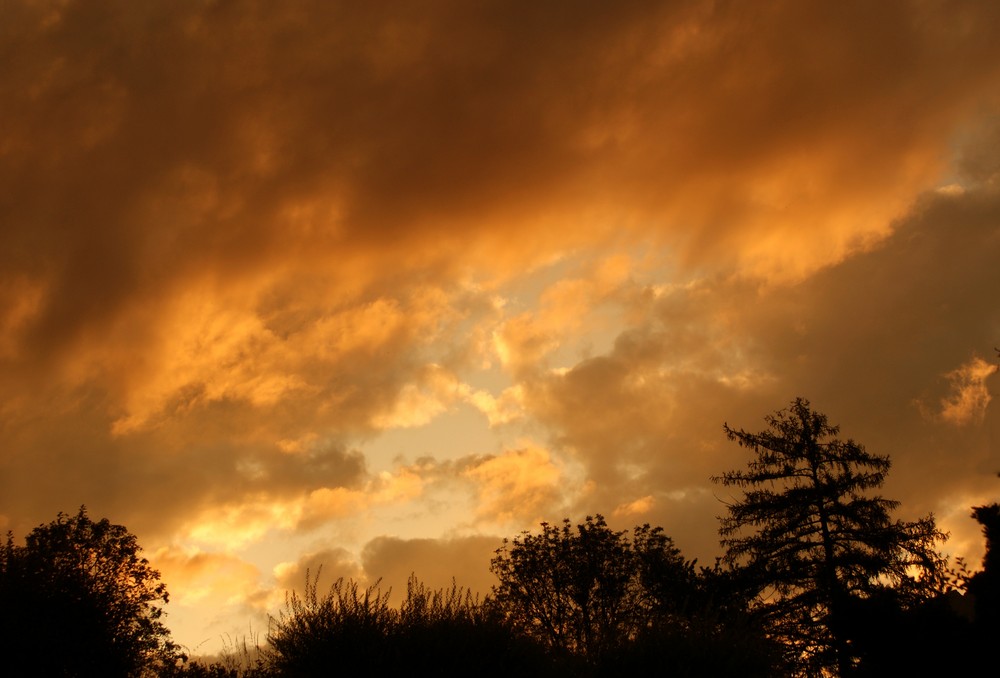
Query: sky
{"type": "Point", "coordinates": [372, 286]}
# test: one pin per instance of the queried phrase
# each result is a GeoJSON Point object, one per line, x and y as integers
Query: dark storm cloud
{"type": "Point", "coordinates": [148, 143]}
{"type": "Point", "coordinates": [233, 234]}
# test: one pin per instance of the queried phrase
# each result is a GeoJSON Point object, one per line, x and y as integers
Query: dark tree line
{"type": "Point", "coordinates": [817, 579]}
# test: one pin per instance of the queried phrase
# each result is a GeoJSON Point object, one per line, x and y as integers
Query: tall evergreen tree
{"type": "Point", "coordinates": [813, 541]}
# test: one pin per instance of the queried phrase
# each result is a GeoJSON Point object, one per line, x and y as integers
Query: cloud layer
{"type": "Point", "coordinates": [378, 285]}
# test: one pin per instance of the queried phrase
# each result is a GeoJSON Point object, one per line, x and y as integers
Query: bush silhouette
{"type": "Point", "coordinates": [439, 632]}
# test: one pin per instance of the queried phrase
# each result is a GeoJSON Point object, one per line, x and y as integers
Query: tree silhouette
{"type": "Point", "coordinates": [590, 589]}
{"type": "Point", "coordinates": [814, 543]}
{"type": "Point", "coordinates": [607, 603]}
{"type": "Point", "coordinates": [985, 585]}
{"type": "Point", "coordinates": [78, 599]}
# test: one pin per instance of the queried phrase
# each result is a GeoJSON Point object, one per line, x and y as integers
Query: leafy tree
{"type": "Point", "coordinates": [814, 543]}
{"type": "Point", "coordinates": [78, 599]}
{"type": "Point", "coordinates": [590, 589]}
{"type": "Point", "coordinates": [608, 604]}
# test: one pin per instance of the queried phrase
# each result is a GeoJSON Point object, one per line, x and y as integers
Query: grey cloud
{"type": "Point", "coordinates": [435, 562]}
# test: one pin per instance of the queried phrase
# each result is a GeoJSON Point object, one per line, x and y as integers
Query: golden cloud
{"type": "Point", "coordinates": [324, 566]}
{"type": "Point", "coordinates": [637, 507]}
{"type": "Point", "coordinates": [235, 525]}
{"type": "Point", "coordinates": [516, 485]}
{"type": "Point", "coordinates": [969, 396]}
{"type": "Point", "coordinates": [197, 577]}
{"type": "Point", "coordinates": [437, 563]}
{"type": "Point", "coordinates": [227, 257]}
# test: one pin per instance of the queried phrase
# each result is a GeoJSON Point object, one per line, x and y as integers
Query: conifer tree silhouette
{"type": "Point", "coordinates": [814, 541]}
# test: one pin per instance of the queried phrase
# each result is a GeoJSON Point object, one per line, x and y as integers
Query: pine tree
{"type": "Point", "coordinates": [814, 543]}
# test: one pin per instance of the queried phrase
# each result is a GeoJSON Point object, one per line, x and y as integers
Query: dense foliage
{"type": "Point", "coordinates": [78, 600]}
{"type": "Point", "coordinates": [615, 602]}
{"type": "Point", "coordinates": [584, 590]}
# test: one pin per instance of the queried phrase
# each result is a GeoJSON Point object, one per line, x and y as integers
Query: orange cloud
{"type": "Point", "coordinates": [637, 507]}
{"type": "Point", "coordinates": [322, 567]}
{"type": "Point", "coordinates": [516, 485]}
{"type": "Point", "coordinates": [246, 521]}
{"type": "Point", "coordinates": [970, 396]}
{"type": "Point", "coordinates": [231, 261]}
{"type": "Point", "coordinates": [195, 576]}
{"type": "Point", "coordinates": [436, 563]}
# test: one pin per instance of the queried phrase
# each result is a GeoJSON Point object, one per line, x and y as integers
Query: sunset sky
{"type": "Point", "coordinates": [375, 284]}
